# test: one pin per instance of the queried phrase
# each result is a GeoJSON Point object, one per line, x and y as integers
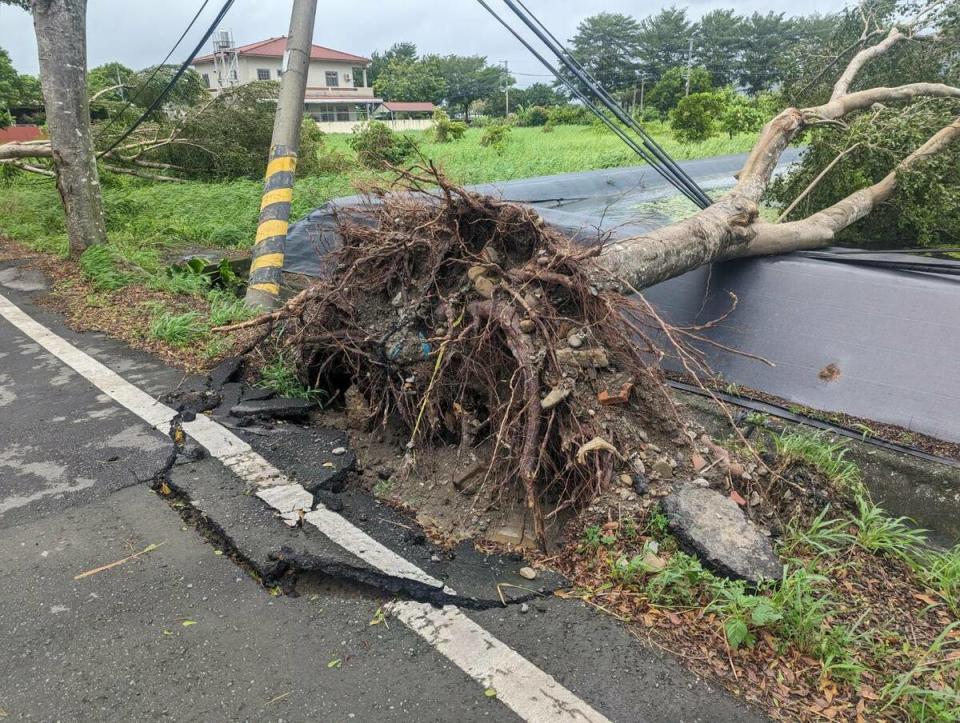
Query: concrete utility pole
{"type": "Point", "coordinates": [263, 287]}
{"type": "Point", "coordinates": [506, 84]}
{"type": "Point", "coordinates": [689, 64]}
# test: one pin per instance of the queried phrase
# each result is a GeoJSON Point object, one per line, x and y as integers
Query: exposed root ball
{"type": "Point", "coordinates": [470, 322]}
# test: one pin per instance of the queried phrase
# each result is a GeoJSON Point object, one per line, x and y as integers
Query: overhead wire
{"type": "Point", "coordinates": [528, 18]}
{"type": "Point", "coordinates": [173, 81]}
{"type": "Point", "coordinates": [581, 96]}
{"type": "Point", "coordinates": [153, 75]}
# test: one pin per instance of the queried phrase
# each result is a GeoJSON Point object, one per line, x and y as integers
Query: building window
{"type": "Point", "coordinates": [333, 79]}
{"type": "Point", "coordinates": [263, 74]}
{"type": "Point", "coordinates": [279, 72]}
{"type": "Point", "coordinates": [206, 80]}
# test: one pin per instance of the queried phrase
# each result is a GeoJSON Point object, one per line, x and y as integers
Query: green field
{"type": "Point", "coordinates": [157, 216]}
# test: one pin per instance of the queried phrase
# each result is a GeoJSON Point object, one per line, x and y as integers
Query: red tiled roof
{"type": "Point", "coordinates": [20, 133]}
{"type": "Point", "coordinates": [398, 106]}
{"type": "Point", "coordinates": [274, 47]}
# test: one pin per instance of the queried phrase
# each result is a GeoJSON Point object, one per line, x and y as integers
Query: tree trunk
{"type": "Point", "coordinates": [61, 41]}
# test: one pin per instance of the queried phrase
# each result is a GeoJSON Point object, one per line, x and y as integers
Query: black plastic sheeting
{"type": "Point", "coordinates": [888, 322]}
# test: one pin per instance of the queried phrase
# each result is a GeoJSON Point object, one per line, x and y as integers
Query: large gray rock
{"type": "Point", "coordinates": [714, 528]}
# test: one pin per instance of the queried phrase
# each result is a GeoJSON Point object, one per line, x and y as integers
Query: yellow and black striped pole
{"type": "Point", "coordinates": [266, 267]}
{"type": "Point", "coordinates": [263, 289]}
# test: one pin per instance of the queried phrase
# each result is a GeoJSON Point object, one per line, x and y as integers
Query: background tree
{"type": "Point", "coordinates": [696, 117]}
{"type": "Point", "coordinates": [112, 81]}
{"type": "Point", "coordinates": [415, 80]}
{"type": "Point", "coordinates": [467, 78]}
{"type": "Point", "coordinates": [767, 39]}
{"type": "Point", "coordinates": [663, 41]}
{"type": "Point", "coordinates": [16, 90]}
{"type": "Point", "coordinates": [672, 86]}
{"type": "Point", "coordinates": [718, 45]}
{"type": "Point", "coordinates": [404, 51]}
{"type": "Point", "coordinates": [607, 45]}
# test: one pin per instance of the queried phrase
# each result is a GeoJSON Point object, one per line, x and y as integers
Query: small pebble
{"type": "Point", "coordinates": [524, 608]}
{"type": "Point", "coordinates": [338, 451]}
{"type": "Point", "coordinates": [527, 572]}
{"type": "Point", "coordinates": [575, 341]}
{"type": "Point", "coordinates": [434, 558]}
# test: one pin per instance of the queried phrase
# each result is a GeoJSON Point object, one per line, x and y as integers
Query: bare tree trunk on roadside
{"type": "Point", "coordinates": [61, 40]}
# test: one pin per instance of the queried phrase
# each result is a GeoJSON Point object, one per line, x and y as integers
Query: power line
{"type": "Point", "coordinates": [668, 174]}
{"type": "Point", "coordinates": [156, 70]}
{"type": "Point", "coordinates": [173, 81]}
{"type": "Point", "coordinates": [591, 106]}
{"type": "Point", "coordinates": [574, 66]}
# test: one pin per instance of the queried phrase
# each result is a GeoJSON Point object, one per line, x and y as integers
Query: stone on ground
{"type": "Point", "coordinates": [713, 527]}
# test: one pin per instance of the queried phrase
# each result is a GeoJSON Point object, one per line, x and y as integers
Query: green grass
{"type": "Point", "coordinates": [225, 308]}
{"type": "Point", "coordinates": [879, 533]}
{"type": "Point", "coordinates": [177, 329]}
{"type": "Point", "coordinates": [99, 264]}
{"type": "Point", "coordinates": [280, 376]}
{"type": "Point", "coordinates": [816, 450]}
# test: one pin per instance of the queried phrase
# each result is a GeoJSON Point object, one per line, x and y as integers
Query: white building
{"type": "Point", "coordinates": [337, 87]}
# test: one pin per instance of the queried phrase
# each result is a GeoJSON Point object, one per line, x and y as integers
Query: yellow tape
{"type": "Point", "coordinates": [284, 163]}
{"type": "Point", "coordinates": [267, 261]}
{"type": "Point", "coordinates": [280, 195]}
{"type": "Point", "coordinates": [271, 228]}
{"type": "Point", "coordinates": [273, 289]}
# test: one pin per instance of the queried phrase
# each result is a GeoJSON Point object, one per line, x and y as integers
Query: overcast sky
{"type": "Point", "coordinates": [139, 33]}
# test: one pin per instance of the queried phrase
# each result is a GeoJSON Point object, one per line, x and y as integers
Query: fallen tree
{"type": "Point", "coordinates": [467, 321]}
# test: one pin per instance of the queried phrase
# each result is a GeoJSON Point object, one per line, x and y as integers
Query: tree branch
{"type": "Point", "coordinates": [29, 149]}
{"type": "Point", "coordinates": [141, 174]}
{"type": "Point", "coordinates": [842, 86]}
{"type": "Point", "coordinates": [821, 228]}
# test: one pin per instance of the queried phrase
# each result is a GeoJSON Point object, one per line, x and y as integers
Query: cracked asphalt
{"type": "Point", "coordinates": [183, 632]}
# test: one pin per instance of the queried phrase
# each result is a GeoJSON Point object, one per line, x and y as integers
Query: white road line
{"type": "Point", "coordinates": [530, 692]}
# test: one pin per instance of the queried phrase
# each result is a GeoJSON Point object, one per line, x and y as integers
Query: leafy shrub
{"type": "Point", "coordinates": [695, 117]}
{"type": "Point", "coordinates": [569, 115]}
{"type": "Point", "coordinates": [378, 147]}
{"type": "Point", "coordinates": [533, 116]}
{"type": "Point", "coordinates": [495, 136]}
{"type": "Point", "coordinates": [445, 130]}
{"type": "Point", "coordinates": [740, 114]}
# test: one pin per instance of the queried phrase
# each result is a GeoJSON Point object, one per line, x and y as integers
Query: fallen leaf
{"type": "Point", "coordinates": [335, 663]}
{"type": "Point", "coordinates": [869, 693]}
{"type": "Point", "coordinates": [738, 498]}
{"type": "Point", "coordinates": [490, 692]}
{"type": "Point", "coordinates": [925, 598]}
{"type": "Point", "coordinates": [168, 632]}
{"type": "Point", "coordinates": [188, 623]}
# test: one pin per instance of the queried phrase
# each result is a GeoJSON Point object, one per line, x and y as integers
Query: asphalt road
{"type": "Point", "coordinates": [183, 632]}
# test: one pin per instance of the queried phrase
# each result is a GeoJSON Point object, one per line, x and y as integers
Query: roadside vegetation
{"type": "Point", "coordinates": [862, 626]}
{"type": "Point", "coordinates": [151, 226]}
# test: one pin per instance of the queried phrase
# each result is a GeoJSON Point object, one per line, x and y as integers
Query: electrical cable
{"type": "Point", "coordinates": [156, 70]}
{"type": "Point", "coordinates": [173, 81]}
{"type": "Point", "coordinates": [574, 66]}
{"type": "Point", "coordinates": [650, 160]}
{"type": "Point", "coordinates": [588, 103]}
